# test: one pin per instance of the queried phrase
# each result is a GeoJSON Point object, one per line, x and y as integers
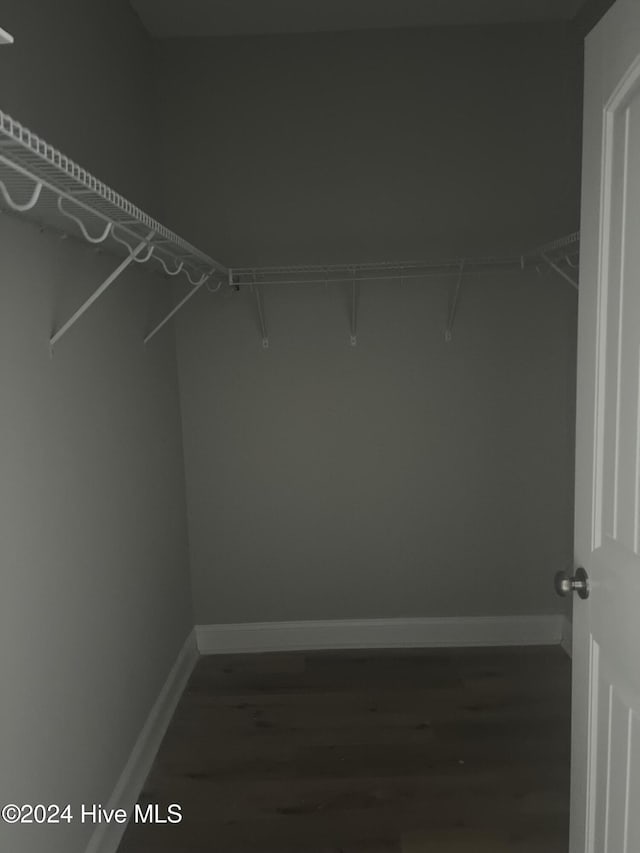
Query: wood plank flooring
{"type": "Point", "coordinates": [447, 751]}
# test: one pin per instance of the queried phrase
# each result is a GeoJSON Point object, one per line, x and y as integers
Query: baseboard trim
{"type": "Point", "coordinates": [107, 837]}
{"type": "Point", "coordinates": [567, 636]}
{"type": "Point", "coordinates": [380, 634]}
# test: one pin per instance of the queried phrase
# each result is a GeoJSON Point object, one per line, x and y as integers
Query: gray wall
{"type": "Point", "coordinates": [375, 145]}
{"type": "Point", "coordinates": [405, 477]}
{"type": "Point", "coordinates": [95, 601]}
{"type": "Point", "coordinates": [82, 76]}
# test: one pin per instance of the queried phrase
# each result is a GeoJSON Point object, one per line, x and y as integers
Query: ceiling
{"type": "Point", "coordinates": [171, 18]}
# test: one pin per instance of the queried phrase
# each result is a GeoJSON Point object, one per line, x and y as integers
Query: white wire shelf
{"type": "Point", "coordinates": [39, 182]}
{"type": "Point", "coordinates": [561, 255]}
{"type": "Point", "coordinates": [563, 252]}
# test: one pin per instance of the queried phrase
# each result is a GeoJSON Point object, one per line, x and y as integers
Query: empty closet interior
{"type": "Point", "coordinates": [288, 354]}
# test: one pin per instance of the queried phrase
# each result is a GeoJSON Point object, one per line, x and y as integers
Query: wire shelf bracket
{"type": "Point", "coordinates": [261, 318]}
{"type": "Point", "coordinates": [194, 289]}
{"type": "Point", "coordinates": [353, 340]}
{"type": "Point", "coordinates": [47, 187]}
{"type": "Point", "coordinates": [97, 293]}
{"type": "Point", "coordinates": [557, 268]}
{"type": "Point", "coordinates": [453, 307]}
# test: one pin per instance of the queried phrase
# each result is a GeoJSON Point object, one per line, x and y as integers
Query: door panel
{"type": "Point", "coordinates": [605, 808]}
{"type": "Point", "coordinates": [616, 726]}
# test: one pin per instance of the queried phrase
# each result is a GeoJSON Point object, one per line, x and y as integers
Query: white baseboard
{"type": "Point", "coordinates": [107, 837]}
{"type": "Point", "coordinates": [567, 636]}
{"type": "Point", "coordinates": [380, 634]}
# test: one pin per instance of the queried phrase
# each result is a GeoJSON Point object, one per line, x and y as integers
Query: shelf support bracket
{"type": "Point", "coordinates": [453, 307]}
{"type": "Point", "coordinates": [565, 275]}
{"type": "Point", "coordinates": [98, 293]}
{"type": "Point", "coordinates": [195, 287]}
{"type": "Point", "coordinates": [261, 318]}
{"type": "Point", "coordinates": [354, 312]}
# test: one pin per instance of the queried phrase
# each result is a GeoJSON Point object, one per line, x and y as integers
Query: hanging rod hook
{"type": "Point", "coordinates": [81, 225]}
{"type": "Point", "coordinates": [21, 208]}
{"type": "Point", "coordinates": [145, 258]}
{"type": "Point", "coordinates": [199, 282]}
{"type": "Point", "coordinates": [140, 260]}
{"type": "Point", "coordinates": [120, 240]}
{"type": "Point", "coordinates": [210, 275]}
{"type": "Point", "coordinates": [167, 270]}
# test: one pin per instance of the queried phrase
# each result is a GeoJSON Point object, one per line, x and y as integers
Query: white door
{"type": "Point", "coordinates": [605, 802]}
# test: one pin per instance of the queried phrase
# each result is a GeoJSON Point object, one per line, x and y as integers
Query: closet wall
{"type": "Point", "coordinates": [95, 602]}
{"type": "Point", "coordinates": [403, 477]}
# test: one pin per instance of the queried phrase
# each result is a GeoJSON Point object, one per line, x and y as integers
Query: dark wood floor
{"type": "Point", "coordinates": [381, 752]}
